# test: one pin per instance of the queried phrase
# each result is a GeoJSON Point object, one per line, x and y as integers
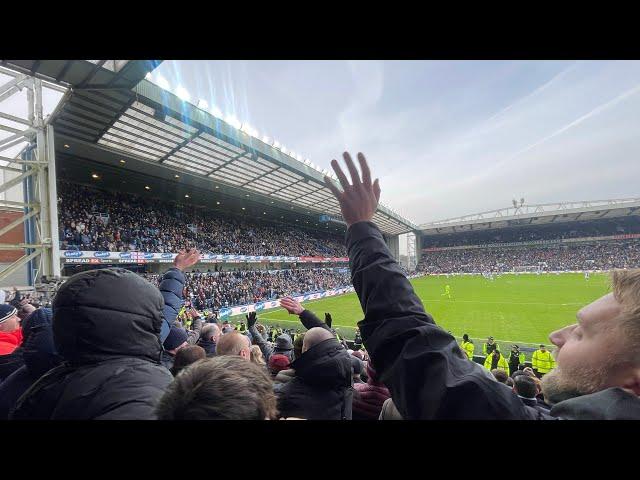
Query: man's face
{"type": "Point", "coordinates": [589, 354]}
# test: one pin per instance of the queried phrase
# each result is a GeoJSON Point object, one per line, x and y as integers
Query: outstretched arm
{"type": "Point", "coordinates": [172, 286]}
{"type": "Point", "coordinates": [258, 339]}
{"type": "Point", "coordinates": [427, 373]}
{"type": "Point", "coordinates": [307, 317]}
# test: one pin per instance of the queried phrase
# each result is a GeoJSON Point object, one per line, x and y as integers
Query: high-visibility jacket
{"type": "Point", "coordinates": [487, 349]}
{"type": "Point", "coordinates": [468, 348]}
{"type": "Point", "coordinates": [543, 362]}
{"type": "Point", "coordinates": [502, 362]}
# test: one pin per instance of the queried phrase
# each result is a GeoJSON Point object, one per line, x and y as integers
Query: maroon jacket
{"type": "Point", "coordinates": [369, 397]}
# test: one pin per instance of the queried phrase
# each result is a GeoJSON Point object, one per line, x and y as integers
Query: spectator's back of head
{"type": "Point", "coordinates": [220, 388]}
{"type": "Point", "coordinates": [107, 313]}
{"type": "Point", "coordinates": [315, 336]}
{"type": "Point", "coordinates": [234, 343]}
{"type": "Point", "coordinates": [186, 356]}
{"type": "Point", "coordinates": [525, 386]}
{"type": "Point", "coordinates": [210, 332]}
{"type": "Point", "coordinates": [500, 375]}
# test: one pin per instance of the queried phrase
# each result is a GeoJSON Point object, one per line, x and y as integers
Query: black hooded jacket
{"type": "Point", "coordinates": [321, 388]}
{"type": "Point", "coordinates": [106, 326]}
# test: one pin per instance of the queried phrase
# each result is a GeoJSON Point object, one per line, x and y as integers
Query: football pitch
{"type": "Point", "coordinates": [520, 309]}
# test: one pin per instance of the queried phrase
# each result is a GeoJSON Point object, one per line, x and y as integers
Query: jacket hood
{"type": "Point", "coordinates": [108, 313]}
{"type": "Point", "coordinates": [326, 364]}
{"type": "Point", "coordinates": [38, 350]}
{"type": "Point", "coordinates": [610, 404]}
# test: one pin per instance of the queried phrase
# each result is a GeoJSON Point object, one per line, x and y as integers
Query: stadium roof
{"type": "Point", "coordinates": [111, 113]}
{"type": "Point", "coordinates": [541, 214]}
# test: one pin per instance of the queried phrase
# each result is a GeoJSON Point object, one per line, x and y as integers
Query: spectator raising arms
{"type": "Point", "coordinates": [429, 376]}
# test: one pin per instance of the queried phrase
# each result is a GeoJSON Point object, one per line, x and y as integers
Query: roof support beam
{"type": "Point", "coordinates": [180, 145]}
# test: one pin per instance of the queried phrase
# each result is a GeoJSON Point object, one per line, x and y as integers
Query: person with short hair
{"type": "Point", "coordinates": [525, 387]}
{"type": "Point", "coordinates": [186, 356]}
{"type": "Point", "coordinates": [500, 375]}
{"type": "Point", "coordinates": [234, 343]}
{"type": "Point", "coordinates": [225, 387]}
{"type": "Point", "coordinates": [322, 386]}
{"type": "Point", "coordinates": [209, 336]}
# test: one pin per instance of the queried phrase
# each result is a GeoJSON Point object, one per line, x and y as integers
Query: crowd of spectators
{"type": "Point", "coordinates": [591, 228]}
{"type": "Point", "coordinates": [93, 219]}
{"type": "Point", "coordinates": [116, 347]}
{"type": "Point", "coordinates": [214, 290]}
{"type": "Point", "coordinates": [592, 256]}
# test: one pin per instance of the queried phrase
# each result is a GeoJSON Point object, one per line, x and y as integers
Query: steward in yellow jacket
{"type": "Point", "coordinates": [467, 346]}
{"type": "Point", "coordinates": [496, 360]}
{"type": "Point", "coordinates": [542, 361]}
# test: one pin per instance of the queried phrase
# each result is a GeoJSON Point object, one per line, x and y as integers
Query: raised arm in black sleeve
{"type": "Point", "coordinates": [310, 320]}
{"type": "Point", "coordinates": [422, 365]}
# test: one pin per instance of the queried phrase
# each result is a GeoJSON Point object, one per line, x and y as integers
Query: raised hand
{"type": "Point", "coordinates": [291, 306]}
{"type": "Point", "coordinates": [359, 200]}
{"type": "Point", "coordinates": [186, 258]}
{"type": "Point", "coordinates": [328, 319]}
{"type": "Point", "coordinates": [252, 318]}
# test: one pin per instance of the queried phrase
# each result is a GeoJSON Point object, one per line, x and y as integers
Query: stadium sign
{"type": "Point", "coordinates": [147, 257]}
{"type": "Point", "coordinates": [255, 307]}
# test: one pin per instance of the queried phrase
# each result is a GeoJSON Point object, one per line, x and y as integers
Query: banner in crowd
{"type": "Point", "coordinates": [535, 242]}
{"type": "Point", "coordinates": [269, 304]}
{"type": "Point", "coordinates": [77, 256]}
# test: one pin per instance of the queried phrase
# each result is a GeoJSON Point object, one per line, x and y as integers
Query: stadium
{"type": "Point", "coordinates": [125, 173]}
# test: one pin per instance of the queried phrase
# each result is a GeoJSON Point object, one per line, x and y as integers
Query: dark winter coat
{"type": "Point", "coordinates": [209, 347]}
{"type": "Point", "coordinates": [427, 373]}
{"type": "Point", "coordinates": [106, 326]}
{"type": "Point", "coordinates": [39, 355]}
{"type": "Point", "coordinates": [321, 388]}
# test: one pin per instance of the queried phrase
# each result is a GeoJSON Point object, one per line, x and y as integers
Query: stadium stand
{"type": "Point", "coordinates": [100, 352]}
{"type": "Point", "coordinates": [94, 219]}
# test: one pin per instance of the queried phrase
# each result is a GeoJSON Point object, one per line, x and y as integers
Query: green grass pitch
{"type": "Point", "coordinates": [512, 308]}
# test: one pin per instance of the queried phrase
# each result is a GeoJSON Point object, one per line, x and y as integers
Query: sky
{"type": "Point", "coordinates": [446, 138]}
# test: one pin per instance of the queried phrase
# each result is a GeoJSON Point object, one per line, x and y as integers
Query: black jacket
{"type": "Point", "coordinates": [106, 326]}
{"type": "Point", "coordinates": [321, 388]}
{"type": "Point", "coordinates": [209, 347]}
{"type": "Point", "coordinates": [39, 357]}
{"type": "Point", "coordinates": [610, 404]}
{"type": "Point", "coordinates": [428, 375]}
